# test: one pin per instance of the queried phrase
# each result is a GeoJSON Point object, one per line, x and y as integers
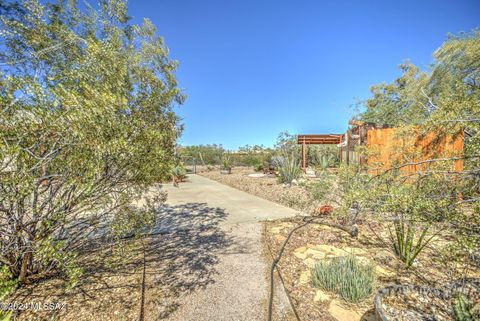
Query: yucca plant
{"type": "Point", "coordinates": [226, 162]}
{"type": "Point", "coordinates": [353, 280]}
{"type": "Point", "coordinates": [289, 170]}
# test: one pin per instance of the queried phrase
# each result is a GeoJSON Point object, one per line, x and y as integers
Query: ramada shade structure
{"type": "Point", "coordinates": [304, 140]}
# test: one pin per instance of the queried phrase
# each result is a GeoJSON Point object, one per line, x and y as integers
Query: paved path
{"type": "Point", "coordinates": [219, 271]}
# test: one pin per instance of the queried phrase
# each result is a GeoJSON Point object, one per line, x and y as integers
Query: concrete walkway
{"type": "Point", "coordinates": [219, 271]}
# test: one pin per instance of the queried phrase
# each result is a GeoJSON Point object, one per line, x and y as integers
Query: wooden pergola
{"type": "Point", "coordinates": [304, 140]}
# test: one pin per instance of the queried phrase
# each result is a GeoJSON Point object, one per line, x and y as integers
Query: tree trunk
{"type": "Point", "coordinates": [24, 268]}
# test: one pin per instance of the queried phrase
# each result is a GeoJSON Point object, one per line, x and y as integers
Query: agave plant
{"type": "Point", "coordinates": [325, 161]}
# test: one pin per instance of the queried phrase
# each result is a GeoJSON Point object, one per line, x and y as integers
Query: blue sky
{"type": "Point", "coordinates": [253, 68]}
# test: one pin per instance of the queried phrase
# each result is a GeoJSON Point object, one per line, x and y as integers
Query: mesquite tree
{"type": "Point", "coordinates": [444, 100]}
{"type": "Point", "coordinates": [87, 124]}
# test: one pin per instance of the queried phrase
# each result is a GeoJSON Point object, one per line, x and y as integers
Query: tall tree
{"type": "Point", "coordinates": [446, 101]}
{"type": "Point", "coordinates": [400, 102]}
{"type": "Point", "coordinates": [87, 123]}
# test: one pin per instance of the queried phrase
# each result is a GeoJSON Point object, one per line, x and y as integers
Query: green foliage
{"type": "Point", "coordinates": [346, 189]}
{"type": "Point", "coordinates": [179, 172]}
{"type": "Point", "coordinates": [132, 221]}
{"type": "Point", "coordinates": [401, 102]}
{"type": "Point", "coordinates": [322, 164]}
{"type": "Point", "coordinates": [226, 161]}
{"type": "Point", "coordinates": [6, 316]}
{"type": "Point", "coordinates": [258, 167]}
{"type": "Point", "coordinates": [7, 282]}
{"type": "Point", "coordinates": [352, 280]}
{"type": "Point", "coordinates": [323, 156]}
{"type": "Point", "coordinates": [291, 198]}
{"type": "Point", "coordinates": [87, 124]}
{"type": "Point", "coordinates": [415, 208]}
{"type": "Point", "coordinates": [289, 169]}
{"type": "Point", "coordinates": [406, 242]}
{"type": "Point", "coordinates": [445, 100]}
{"type": "Point", "coordinates": [287, 144]}
{"type": "Point", "coordinates": [321, 190]}
{"type": "Point", "coordinates": [205, 154]}
{"type": "Point", "coordinates": [255, 156]}
{"type": "Point", "coordinates": [212, 155]}
{"type": "Point", "coordinates": [465, 309]}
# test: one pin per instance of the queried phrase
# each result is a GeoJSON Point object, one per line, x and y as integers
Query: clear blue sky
{"type": "Point", "coordinates": [254, 68]}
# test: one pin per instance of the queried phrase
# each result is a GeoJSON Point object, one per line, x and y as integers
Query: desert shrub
{"type": "Point", "coordinates": [417, 210]}
{"type": "Point", "coordinates": [179, 172]}
{"type": "Point", "coordinates": [465, 309]}
{"type": "Point", "coordinates": [207, 155]}
{"type": "Point", "coordinates": [89, 126]}
{"type": "Point", "coordinates": [7, 285]}
{"type": "Point", "coordinates": [277, 161]}
{"type": "Point", "coordinates": [251, 155]}
{"type": "Point", "coordinates": [444, 100]}
{"type": "Point", "coordinates": [226, 161]}
{"type": "Point", "coordinates": [295, 199]}
{"type": "Point", "coordinates": [287, 144]}
{"type": "Point", "coordinates": [345, 190]}
{"type": "Point", "coordinates": [7, 282]}
{"type": "Point", "coordinates": [289, 170]}
{"type": "Point", "coordinates": [353, 280]}
{"type": "Point", "coordinates": [258, 167]}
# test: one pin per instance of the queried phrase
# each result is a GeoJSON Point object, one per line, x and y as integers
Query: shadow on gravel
{"type": "Point", "coordinates": [181, 256]}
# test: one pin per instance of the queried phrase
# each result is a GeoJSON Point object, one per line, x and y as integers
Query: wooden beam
{"type": "Point", "coordinates": [319, 139]}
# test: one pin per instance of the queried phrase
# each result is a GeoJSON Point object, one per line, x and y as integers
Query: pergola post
{"type": "Point", "coordinates": [340, 149]}
{"type": "Point", "coordinates": [347, 147]}
{"type": "Point", "coordinates": [304, 156]}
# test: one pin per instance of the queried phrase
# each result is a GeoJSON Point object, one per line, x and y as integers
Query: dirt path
{"type": "Point", "coordinates": [216, 270]}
